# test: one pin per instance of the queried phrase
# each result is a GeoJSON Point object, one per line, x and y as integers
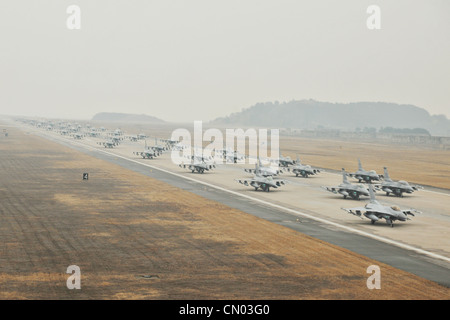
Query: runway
{"type": "Point", "coordinates": [428, 259]}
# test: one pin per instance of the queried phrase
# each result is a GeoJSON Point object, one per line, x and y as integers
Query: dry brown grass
{"type": "Point", "coordinates": [414, 164]}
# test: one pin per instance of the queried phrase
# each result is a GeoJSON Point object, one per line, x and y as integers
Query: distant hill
{"type": "Point", "coordinates": [125, 117]}
{"type": "Point", "coordinates": [311, 114]}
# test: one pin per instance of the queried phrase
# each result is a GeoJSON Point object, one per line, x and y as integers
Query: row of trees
{"type": "Point", "coordinates": [420, 131]}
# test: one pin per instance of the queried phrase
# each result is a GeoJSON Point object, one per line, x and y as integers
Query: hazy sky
{"type": "Point", "coordinates": [185, 60]}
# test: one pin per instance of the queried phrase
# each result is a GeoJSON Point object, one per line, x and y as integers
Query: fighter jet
{"type": "Point", "coordinates": [302, 169]}
{"type": "Point", "coordinates": [229, 155]}
{"type": "Point", "coordinates": [348, 189]}
{"type": "Point", "coordinates": [158, 147]}
{"type": "Point", "coordinates": [133, 138]}
{"type": "Point", "coordinates": [64, 132]}
{"type": "Point", "coordinates": [264, 171]}
{"type": "Point", "coordinates": [141, 136]}
{"type": "Point", "coordinates": [118, 132]}
{"type": "Point", "coordinates": [108, 144]}
{"type": "Point", "coordinates": [169, 142]}
{"type": "Point", "coordinates": [198, 164]}
{"type": "Point", "coordinates": [179, 146]}
{"type": "Point", "coordinates": [136, 137]}
{"type": "Point", "coordinates": [366, 176]}
{"type": "Point", "coordinates": [376, 211]}
{"type": "Point", "coordinates": [285, 161]}
{"type": "Point", "coordinates": [148, 153]}
{"type": "Point", "coordinates": [93, 133]}
{"type": "Point", "coordinates": [78, 136]}
{"type": "Point", "coordinates": [261, 182]}
{"type": "Point", "coordinates": [397, 188]}
{"type": "Point", "coordinates": [116, 140]}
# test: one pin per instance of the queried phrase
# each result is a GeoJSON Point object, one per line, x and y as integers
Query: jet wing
{"type": "Point", "coordinates": [411, 212]}
{"type": "Point", "coordinates": [279, 183]}
{"type": "Point", "coordinates": [358, 211]}
{"type": "Point", "coordinates": [330, 189]}
{"type": "Point", "coordinates": [244, 182]}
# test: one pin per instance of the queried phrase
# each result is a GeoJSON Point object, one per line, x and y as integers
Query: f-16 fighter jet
{"type": "Point", "coordinates": [148, 152]}
{"type": "Point", "coordinates": [397, 188]}
{"type": "Point", "coordinates": [228, 155]}
{"type": "Point", "coordinates": [286, 161]}
{"type": "Point", "coordinates": [376, 211]}
{"type": "Point", "coordinates": [302, 169]}
{"type": "Point", "coordinates": [260, 182]}
{"type": "Point", "coordinates": [348, 189]}
{"type": "Point", "coordinates": [264, 171]}
{"type": "Point", "coordinates": [199, 164]}
{"type": "Point", "coordinates": [110, 143]}
{"type": "Point", "coordinates": [366, 176]}
{"type": "Point", "coordinates": [159, 147]}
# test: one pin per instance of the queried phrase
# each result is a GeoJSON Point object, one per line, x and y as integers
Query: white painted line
{"type": "Point", "coordinates": [292, 211]}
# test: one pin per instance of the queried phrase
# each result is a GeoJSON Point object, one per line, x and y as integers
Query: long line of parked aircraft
{"type": "Point", "coordinates": [264, 177]}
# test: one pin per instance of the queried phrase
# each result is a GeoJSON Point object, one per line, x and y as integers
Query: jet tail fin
{"type": "Point", "coordinates": [257, 168]}
{"type": "Point", "coordinates": [386, 175]}
{"type": "Point", "coordinates": [360, 165]}
{"type": "Point", "coordinates": [344, 176]}
{"type": "Point", "coordinates": [371, 193]}
{"type": "Point", "coordinates": [257, 171]}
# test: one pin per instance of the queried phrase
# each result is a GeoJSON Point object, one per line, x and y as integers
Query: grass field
{"type": "Point", "coordinates": [414, 164]}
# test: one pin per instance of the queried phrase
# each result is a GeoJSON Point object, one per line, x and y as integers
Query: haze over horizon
{"type": "Point", "coordinates": [183, 61]}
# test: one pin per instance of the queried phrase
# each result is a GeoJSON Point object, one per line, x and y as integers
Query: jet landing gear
{"type": "Point", "coordinates": [389, 222]}
{"type": "Point", "coordinates": [263, 188]}
{"type": "Point", "coordinates": [302, 173]}
{"type": "Point", "coordinates": [397, 193]}
{"type": "Point", "coordinates": [354, 196]}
